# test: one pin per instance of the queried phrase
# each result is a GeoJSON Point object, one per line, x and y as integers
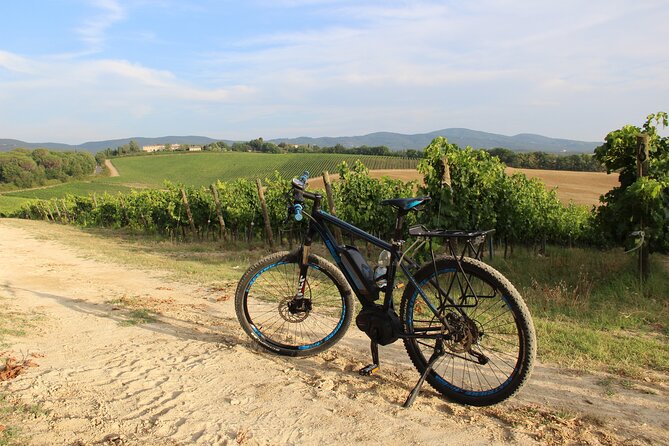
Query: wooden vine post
{"type": "Point", "coordinates": [60, 217]}
{"type": "Point", "coordinates": [446, 179]}
{"type": "Point", "coordinates": [642, 170]}
{"type": "Point", "coordinates": [65, 213]}
{"type": "Point", "coordinates": [219, 214]}
{"type": "Point", "coordinates": [48, 209]}
{"type": "Point", "coordinates": [42, 211]}
{"type": "Point", "coordinates": [188, 212]}
{"type": "Point", "coordinates": [446, 182]}
{"type": "Point", "coordinates": [331, 204]}
{"type": "Point", "coordinates": [265, 214]}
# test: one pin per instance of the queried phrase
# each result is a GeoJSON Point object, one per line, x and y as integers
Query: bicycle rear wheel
{"type": "Point", "coordinates": [489, 350]}
{"type": "Point", "coordinates": [270, 312]}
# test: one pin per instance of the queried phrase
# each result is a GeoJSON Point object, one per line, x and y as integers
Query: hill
{"type": "Point", "coordinates": [394, 141]}
{"type": "Point", "coordinates": [462, 137]}
{"type": "Point", "coordinates": [9, 144]}
{"type": "Point", "coordinates": [96, 146]}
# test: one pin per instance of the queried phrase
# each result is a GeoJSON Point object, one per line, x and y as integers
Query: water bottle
{"type": "Point", "coordinates": [381, 270]}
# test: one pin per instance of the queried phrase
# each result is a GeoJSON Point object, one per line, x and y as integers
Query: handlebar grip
{"type": "Point", "coordinates": [298, 211]}
{"type": "Point", "coordinates": [304, 177]}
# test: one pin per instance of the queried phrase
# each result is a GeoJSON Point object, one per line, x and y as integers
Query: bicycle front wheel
{"type": "Point", "coordinates": [271, 312]}
{"type": "Point", "coordinates": [475, 319]}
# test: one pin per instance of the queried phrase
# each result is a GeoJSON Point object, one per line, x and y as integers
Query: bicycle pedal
{"type": "Point", "coordinates": [369, 370]}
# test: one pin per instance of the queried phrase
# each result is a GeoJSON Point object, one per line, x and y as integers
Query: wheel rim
{"type": "Point", "coordinates": [490, 331]}
{"type": "Point", "coordinates": [274, 320]}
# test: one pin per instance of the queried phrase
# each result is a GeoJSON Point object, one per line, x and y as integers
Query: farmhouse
{"type": "Point", "coordinates": [157, 147]}
{"type": "Point", "coordinates": [153, 148]}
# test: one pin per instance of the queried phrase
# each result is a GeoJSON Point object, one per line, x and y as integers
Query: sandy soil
{"type": "Point", "coordinates": [192, 377]}
{"type": "Point", "coordinates": [579, 187]}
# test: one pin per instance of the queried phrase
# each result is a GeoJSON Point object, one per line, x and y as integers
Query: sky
{"type": "Point", "coordinates": [73, 71]}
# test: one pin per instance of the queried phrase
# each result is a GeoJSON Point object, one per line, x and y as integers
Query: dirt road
{"type": "Point", "coordinates": [192, 377]}
{"type": "Point", "coordinates": [113, 172]}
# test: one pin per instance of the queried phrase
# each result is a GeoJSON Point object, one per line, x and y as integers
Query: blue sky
{"type": "Point", "coordinates": [79, 70]}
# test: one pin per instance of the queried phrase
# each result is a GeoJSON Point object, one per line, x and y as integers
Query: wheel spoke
{"type": "Point", "coordinates": [271, 305]}
{"type": "Point", "coordinates": [485, 353]}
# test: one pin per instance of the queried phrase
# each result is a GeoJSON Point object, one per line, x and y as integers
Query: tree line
{"type": "Point", "coordinates": [29, 168]}
{"type": "Point", "coordinates": [260, 145]}
{"type": "Point", "coordinates": [583, 162]}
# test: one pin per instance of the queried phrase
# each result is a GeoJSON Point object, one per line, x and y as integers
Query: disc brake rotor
{"type": "Point", "coordinates": [289, 313]}
{"type": "Point", "coordinates": [463, 336]}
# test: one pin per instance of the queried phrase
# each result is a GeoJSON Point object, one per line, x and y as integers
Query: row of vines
{"type": "Point", "coordinates": [469, 190]}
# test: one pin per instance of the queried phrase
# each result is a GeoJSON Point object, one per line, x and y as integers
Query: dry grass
{"type": "Point", "coordinates": [580, 187]}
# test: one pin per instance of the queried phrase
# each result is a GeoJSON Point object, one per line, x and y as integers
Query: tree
{"type": "Point", "coordinates": [637, 199]}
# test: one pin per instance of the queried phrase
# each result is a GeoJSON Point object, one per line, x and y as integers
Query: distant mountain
{"type": "Point", "coordinates": [96, 146]}
{"type": "Point", "coordinates": [395, 141]}
{"type": "Point", "coordinates": [9, 144]}
{"type": "Point", "coordinates": [462, 137]}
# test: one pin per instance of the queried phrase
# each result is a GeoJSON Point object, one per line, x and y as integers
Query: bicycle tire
{"type": "Point", "coordinates": [265, 291]}
{"type": "Point", "coordinates": [501, 330]}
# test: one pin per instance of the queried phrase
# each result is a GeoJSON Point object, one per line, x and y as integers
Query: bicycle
{"type": "Point", "coordinates": [465, 327]}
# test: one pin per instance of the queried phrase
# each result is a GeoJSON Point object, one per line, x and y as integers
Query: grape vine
{"type": "Point", "coordinates": [469, 190]}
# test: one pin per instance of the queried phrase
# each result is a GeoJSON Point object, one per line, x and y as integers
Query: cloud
{"type": "Point", "coordinates": [344, 67]}
{"type": "Point", "coordinates": [93, 30]}
{"type": "Point", "coordinates": [15, 63]}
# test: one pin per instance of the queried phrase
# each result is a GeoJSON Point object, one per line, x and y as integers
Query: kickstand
{"type": "Point", "coordinates": [374, 366]}
{"type": "Point", "coordinates": [438, 353]}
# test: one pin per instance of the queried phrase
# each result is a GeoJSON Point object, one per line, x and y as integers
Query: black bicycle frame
{"type": "Point", "coordinates": [317, 226]}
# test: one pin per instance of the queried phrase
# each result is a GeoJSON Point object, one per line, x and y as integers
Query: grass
{"type": "Point", "coordinates": [9, 435]}
{"type": "Point", "coordinates": [12, 201]}
{"type": "Point", "coordinates": [138, 317]}
{"type": "Point", "coordinates": [12, 323]}
{"type": "Point", "coordinates": [15, 412]}
{"type": "Point", "coordinates": [203, 169]}
{"type": "Point", "coordinates": [589, 310]}
{"type": "Point", "coordinates": [74, 188]}
{"type": "Point", "coordinates": [9, 204]}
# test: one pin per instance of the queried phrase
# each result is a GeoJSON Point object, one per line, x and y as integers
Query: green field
{"type": "Point", "coordinates": [202, 169]}
{"type": "Point", "coordinates": [199, 169]}
{"type": "Point", "coordinates": [10, 204]}
{"type": "Point", "coordinates": [74, 188]}
{"type": "Point", "coordinates": [12, 201]}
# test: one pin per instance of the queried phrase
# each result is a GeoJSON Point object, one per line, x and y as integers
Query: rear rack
{"type": "Point", "coordinates": [422, 231]}
{"type": "Point", "coordinates": [473, 240]}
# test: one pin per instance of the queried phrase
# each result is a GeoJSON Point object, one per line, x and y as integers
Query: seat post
{"type": "Point", "coordinates": [399, 223]}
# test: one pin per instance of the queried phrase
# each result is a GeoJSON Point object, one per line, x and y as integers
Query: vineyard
{"type": "Point", "coordinates": [203, 169]}
{"type": "Point", "coordinates": [197, 169]}
{"type": "Point", "coordinates": [469, 189]}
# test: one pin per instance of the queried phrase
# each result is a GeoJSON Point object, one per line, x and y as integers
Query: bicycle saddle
{"type": "Point", "coordinates": [405, 204]}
